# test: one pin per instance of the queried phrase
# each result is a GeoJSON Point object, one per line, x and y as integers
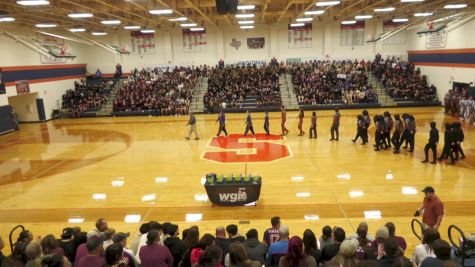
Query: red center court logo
{"type": "Point", "coordinates": [236, 148]}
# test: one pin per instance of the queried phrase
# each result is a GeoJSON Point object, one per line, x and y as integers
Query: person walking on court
{"type": "Point", "coordinates": [222, 123]}
{"type": "Point", "coordinates": [432, 144]}
{"type": "Point", "coordinates": [313, 126]}
{"type": "Point", "coordinates": [192, 123]}
{"type": "Point", "coordinates": [249, 124]}
{"type": "Point", "coordinates": [367, 121]}
{"type": "Point", "coordinates": [432, 209]}
{"type": "Point", "coordinates": [459, 137]}
{"type": "Point", "coordinates": [411, 133]}
{"type": "Point", "coordinates": [335, 126]}
{"type": "Point", "coordinates": [301, 116]}
{"type": "Point", "coordinates": [388, 126]}
{"type": "Point", "coordinates": [266, 123]}
{"type": "Point", "coordinates": [285, 131]}
{"type": "Point", "coordinates": [379, 132]}
{"type": "Point", "coordinates": [360, 127]}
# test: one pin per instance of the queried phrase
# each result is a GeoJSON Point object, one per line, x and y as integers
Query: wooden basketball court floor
{"type": "Point", "coordinates": [108, 167]}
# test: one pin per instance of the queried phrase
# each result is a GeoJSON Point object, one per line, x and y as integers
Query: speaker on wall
{"type": "Point", "coordinates": [222, 6]}
{"type": "Point", "coordinates": [232, 6]}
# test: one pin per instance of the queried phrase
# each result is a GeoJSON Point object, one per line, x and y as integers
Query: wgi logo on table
{"type": "Point", "coordinates": [240, 196]}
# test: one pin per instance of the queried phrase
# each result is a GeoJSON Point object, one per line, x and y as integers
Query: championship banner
{"type": "Point", "coordinates": [194, 41]}
{"type": "Point", "coordinates": [143, 43]}
{"type": "Point", "coordinates": [256, 43]}
{"type": "Point", "coordinates": [352, 34]}
{"type": "Point", "coordinates": [398, 38]}
{"type": "Point", "coordinates": [58, 45]}
{"type": "Point", "coordinates": [22, 87]}
{"type": "Point", "coordinates": [300, 37]}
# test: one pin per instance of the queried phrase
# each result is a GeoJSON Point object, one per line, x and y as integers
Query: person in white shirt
{"type": "Point", "coordinates": [425, 250]}
{"type": "Point", "coordinates": [153, 225]}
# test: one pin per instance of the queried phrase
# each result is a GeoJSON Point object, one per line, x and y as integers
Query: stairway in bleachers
{"type": "Point", "coordinates": [289, 99]}
{"type": "Point", "coordinates": [199, 91]}
{"type": "Point", "coordinates": [383, 97]}
{"type": "Point", "coordinates": [250, 102]}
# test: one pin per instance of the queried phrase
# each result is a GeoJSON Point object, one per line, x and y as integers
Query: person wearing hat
{"type": "Point", "coordinates": [121, 239]}
{"type": "Point", "coordinates": [432, 209]}
{"type": "Point", "coordinates": [432, 144]}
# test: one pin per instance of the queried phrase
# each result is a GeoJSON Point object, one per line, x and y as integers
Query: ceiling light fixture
{"type": "Point", "coordinates": [247, 27]}
{"type": "Point", "coordinates": [110, 22]}
{"type": "Point", "coordinates": [304, 19]}
{"type": "Point", "coordinates": [132, 27]}
{"type": "Point", "coordinates": [364, 17]}
{"type": "Point", "coordinates": [160, 11]}
{"type": "Point", "coordinates": [33, 2]}
{"type": "Point", "coordinates": [77, 30]}
{"type": "Point", "coordinates": [297, 24]}
{"type": "Point", "coordinates": [199, 29]}
{"type": "Point", "coordinates": [411, 1]}
{"type": "Point", "coordinates": [147, 31]}
{"type": "Point", "coordinates": [314, 12]}
{"type": "Point", "coordinates": [178, 19]}
{"type": "Point", "coordinates": [7, 19]}
{"type": "Point", "coordinates": [328, 3]}
{"type": "Point", "coordinates": [423, 14]}
{"type": "Point", "coordinates": [400, 20]}
{"type": "Point", "coordinates": [243, 16]}
{"type": "Point", "coordinates": [45, 25]}
{"type": "Point", "coordinates": [246, 7]}
{"type": "Point", "coordinates": [385, 9]}
{"type": "Point", "coordinates": [80, 15]}
{"type": "Point", "coordinates": [455, 6]}
{"type": "Point", "coordinates": [99, 33]}
{"type": "Point", "coordinates": [348, 22]}
{"type": "Point", "coordinates": [188, 25]}
{"type": "Point", "coordinates": [246, 22]}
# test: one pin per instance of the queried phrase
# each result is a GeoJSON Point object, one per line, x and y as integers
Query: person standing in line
{"type": "Point", "coordinates": [458, 138]}
{"type": "Point", "coordinates": [266, 123]}
{"type": "Point", "coordinates": [313, 126]}
{"type": "Point", "coordinates": [285, 131]}
{"type": "Point", "coordinates": [405, 132]}
{"type": "Point", "coordinates": [389, 124]}
{"type": "Point", "coordinates": [432, 209]}
{"type": "Point", "coordinates": [335, 126]}
{"type": "Point", "coordinates": [432, 144]}
{"type": "Point", "coordinates": [301, 116]}
{"type": "Point", "coordinates": [222, 123]}
{"type": "Point", "coordinates": [249, 124]}
{"type": "Point", "coordinates": [379, 132]}
{"type": "Point", "coordinates": [192, 123]}
{"type": "Point", "coordinates": [367, 121]}
{"type": "Point", "coordinates": [398, 128]}
{"type": "Point", "coordinates": [360, 127]}
{"type": "Point", "coordinates": [411, 133]}
{"type": "Point", "coordinates": [448, 143]}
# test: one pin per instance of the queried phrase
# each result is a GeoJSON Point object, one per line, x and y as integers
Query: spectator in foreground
{"type": "Point", "coordinates": [310, 245]}
{"type": "Point", "coordinates": [425, 249]}
{"type": "Point", "coordinates": [211, 257]}
{"type": "Point", "coordinates": [2, 245]}
{"type": "Point", "coordinates": [239, 258]}
{"type": "Point", "coordinates": [326, 238]}
{"type": "Point", "coordinates": [389, 256]}
{"type": "Point", "coordinates": [155, 254]}
{"type": "Point", "coordinates": [94, 257]}
{"type": "Point", "coordinates": [279, 247]}
{"type": "Point", "coordinates": [255, 250]}
{"type": "Point", "coordinates": [347, 254]}
{"type": "Point", "coordinates": [114, 256]}
{"type": "Point", "coordinates": [33, 251]}
{"type": "Point", "coordinates": [272, 235]}
{"type": "Point", "coordinates": [392, 233]}
{"type": "Point", "coordinates": [221, 239]}
{"type": "Point", "coordinates": [121, 239]}
{"type": "Point", "coordinates": [328, 252]}
{"type": "Point", "coordinates": [175, 245]}
{"type": "Point", "coordinates": [296, 256]}
{"type": "Point", "coordinates": [442, 250]}
{"type": "Point", "coordinates": [233, 234]}
{"type": "Point", "coordinates": [68, 244]}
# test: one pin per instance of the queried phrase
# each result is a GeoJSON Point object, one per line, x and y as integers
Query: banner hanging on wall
{"type": "Point", "coordinates": [256, 43]}
{"type": "Point", "coordinates": [22, 87]}
{"type": "Point", "coordinates": [143, 43]}
{"type": "Point", "coordinates": [194, 41]}
{"type": "Point", "coordinates": [300, 37]}
{"type": "Point", "coordinates": [398, 38]}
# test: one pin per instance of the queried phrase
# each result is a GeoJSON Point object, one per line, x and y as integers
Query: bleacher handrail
{"type": "Point", "coordinates": [413, 222]}
{"type": "Point", "coordinates": [11, 234]}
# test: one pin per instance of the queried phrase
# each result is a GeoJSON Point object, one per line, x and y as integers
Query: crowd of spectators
{"type": "Point", "coordinates": [402, 80]}
{"type": "Point", "coordinates": [166, 92]}
{"type": "Point", "coordinates": [157, 245]}
{"type": "Point", "coordinates": [459, 102]}
{"type": "Point", "coordinates": [232, 84]}
{"type": "Point", "coordinates": [328, 82]}
{"type": "Point", "coordinates": [87, 96]}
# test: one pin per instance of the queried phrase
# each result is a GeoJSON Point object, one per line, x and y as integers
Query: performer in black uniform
{"type": "Point", "coordinates": [266, 123]}
{"type": "Point", "coordinates": [249, 124]}
{"type": "Point", "coordinates": [459, 137]}
{"type": "Point", "coordinates": [388, 126]}
{"type": "Point", "coordinates": [222, 123]}
{"type": "Point", "coordinates": [367, 121]}
{"type": "Point", "coordinates": [379, 132]}
{"type": "Point", "coordinates": [398, 129]}
{"type": "Point", "coordinates": [313, 126]}
{"type": "Point", "coordinates": [335, 125]}
{"type": "Point", "coordinates": [448, 144]}
{"type": "Point", "coordinates": [432, 144]}
{"type": "Point", "coordinates": [360, 127]}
